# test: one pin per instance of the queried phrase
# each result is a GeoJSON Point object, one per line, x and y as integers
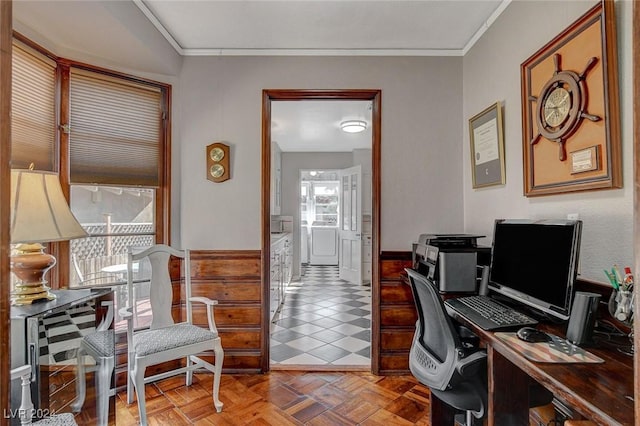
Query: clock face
{"type": "Point", "coordinates": [556, 107]}
{"type": "Point", "coordinates": [216, 170]}
{"type": "Point", "coordinates": [216, 154]}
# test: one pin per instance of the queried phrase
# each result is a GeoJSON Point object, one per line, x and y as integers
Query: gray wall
{"type": "Point", "coordinates": [426, 104]}
{"type": "Point", "coordinates": [492, 72]}
{"type": "Point", "coordinates": [219, 99]}
{"type": "Point", "coordinates": [292, 163]}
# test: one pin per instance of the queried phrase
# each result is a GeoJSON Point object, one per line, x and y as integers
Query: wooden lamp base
{"type": "Point", "coordinates": [30, 264]}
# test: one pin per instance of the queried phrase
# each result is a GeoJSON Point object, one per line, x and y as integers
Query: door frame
{"type": "Point", "coordinates": [375, 96]}
{"type": "Point", "coordinates": [635, 51]}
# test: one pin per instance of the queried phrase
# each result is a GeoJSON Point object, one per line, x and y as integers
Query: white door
{"type": "Point", "coordinates": [350, 234]}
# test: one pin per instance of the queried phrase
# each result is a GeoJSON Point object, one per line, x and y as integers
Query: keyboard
{"type": "Point", "coordinates": [487, 313]}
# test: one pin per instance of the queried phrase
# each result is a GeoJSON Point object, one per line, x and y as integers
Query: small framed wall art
{"type": "Point", "coordinates": [218, 164]}
{"type": "Point", "coordinates": [570, 111]}
{"type": "Point", "coordinates": [487, 147]}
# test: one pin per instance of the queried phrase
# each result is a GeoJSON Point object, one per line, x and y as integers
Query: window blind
{"type": "Point", "coordinates": [116, 131]}
{"type": "Point", "coordinates": [33, 118]}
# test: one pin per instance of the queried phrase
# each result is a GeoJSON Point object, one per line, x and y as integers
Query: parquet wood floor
{"type": "Point", "coordinates": [284, 398]}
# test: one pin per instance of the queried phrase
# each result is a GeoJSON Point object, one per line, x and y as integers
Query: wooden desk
{"type": "Point", "coordinates": [600, 392]}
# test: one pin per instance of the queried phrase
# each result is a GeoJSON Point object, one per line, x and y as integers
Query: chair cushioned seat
{"type": "Point", "coordinates": [66, 419]}
{"type": "Point", "coordinates": [174, 336]}
{"type": "Point", "coordinates": [102, 342]}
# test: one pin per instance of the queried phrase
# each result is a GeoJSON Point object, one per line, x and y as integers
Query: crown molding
{"type": "Point", "coordinates": [319, 52]}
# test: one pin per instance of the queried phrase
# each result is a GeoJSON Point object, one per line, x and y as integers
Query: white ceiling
{"type": "Point", "coordinates": [117, 33]}
{"type": "Point", "coordinates": [314, 126]}
{"type": "Point", "coordinates": [443, 28]}
{"type": "Point", "coordinates": [322, 27]}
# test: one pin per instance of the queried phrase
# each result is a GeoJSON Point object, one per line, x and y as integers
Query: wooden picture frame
{"type": "Point", "coordinates": [486, 136]}
{"type": "Point", "coordinates": [570, 109]}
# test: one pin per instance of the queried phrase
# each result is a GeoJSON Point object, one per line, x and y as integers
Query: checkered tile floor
{"type": "Point", "coordinates": [323, 321]}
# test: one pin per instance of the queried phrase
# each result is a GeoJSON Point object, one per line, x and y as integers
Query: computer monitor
{"type": "Point", "coordinates": [535, 262]}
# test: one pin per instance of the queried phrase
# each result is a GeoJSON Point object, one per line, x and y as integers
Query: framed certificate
{"type": "Point", "coordinates": [487, 147]}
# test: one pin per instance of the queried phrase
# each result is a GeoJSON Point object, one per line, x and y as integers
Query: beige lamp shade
{"type": "Point", "coordinates": [39, 210]}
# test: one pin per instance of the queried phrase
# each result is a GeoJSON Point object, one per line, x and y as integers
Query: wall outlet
{"type": "Point", "coordinates": [573, 216]}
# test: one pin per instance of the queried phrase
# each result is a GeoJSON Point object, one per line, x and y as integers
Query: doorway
{"type": "Point", "coordinates": [373, 96]}
{"type": "Point", "coordinates": [319, 201]}
{"type": "Point", "coordinates": [323, 319]}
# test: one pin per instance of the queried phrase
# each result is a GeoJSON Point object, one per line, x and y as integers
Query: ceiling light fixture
{"type": "Point", "coordinates": [353, 126]}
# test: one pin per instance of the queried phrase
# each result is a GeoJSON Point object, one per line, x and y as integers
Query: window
{"type": "Point", "coordinates": [325, 202]}
{"type": "Point", "coordinates": [115, 218]}
{"type": "Point", "coordinates": [33, 117]}
{"type": "Point", "coordinates": [107, 134]}
{"type": "Point", "coordinates": [115, 147]}
{"type": "Point", "coordinates": [319, 201]}
{"type": "Point", "coordinates": [115, 130]}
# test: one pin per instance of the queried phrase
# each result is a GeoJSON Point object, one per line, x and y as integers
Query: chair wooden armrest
{"type": "Point", "coordinates": [204, 300]}
{"type": "Point", "coordinates": [126, 313]}
{"type": "Point", "coordinates": [20, 371]}
{"type": "Point", "coordinates": [210, 304]}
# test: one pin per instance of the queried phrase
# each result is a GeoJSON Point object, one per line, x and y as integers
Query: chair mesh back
{"type": "Point", "coordinates": [437, 333]}
{"type": "Point", "coordinates": [434, 350]}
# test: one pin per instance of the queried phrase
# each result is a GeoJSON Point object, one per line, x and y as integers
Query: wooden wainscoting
{"type": "Point", "coordinates": [233, 279]}
{"type": "Point", "coordinates": [397, 313]}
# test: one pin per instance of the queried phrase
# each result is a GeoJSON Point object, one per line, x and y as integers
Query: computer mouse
{"type": "Point", "coordinates": [532, 335]}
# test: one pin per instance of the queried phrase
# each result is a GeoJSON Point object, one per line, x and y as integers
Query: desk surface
{"type": "Point", "coordinates": [64, 299]}
{"type": "Point", "coordinates": [602, 393]}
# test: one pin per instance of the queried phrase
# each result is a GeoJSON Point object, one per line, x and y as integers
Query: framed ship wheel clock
{"type": "Point", "coordinates": [570, 111]}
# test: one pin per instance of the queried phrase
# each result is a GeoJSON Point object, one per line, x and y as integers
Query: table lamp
{"type": "Point", "coordinates": [39, 213]}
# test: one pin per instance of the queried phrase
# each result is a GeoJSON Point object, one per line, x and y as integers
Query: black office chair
{"type": "Point", "coordinates": [455, 374]}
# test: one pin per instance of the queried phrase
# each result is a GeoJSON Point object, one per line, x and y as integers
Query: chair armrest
{"type": "Point", "coordinates": [126, 313]}
{"type": "Point", "coordinates": [469, 365]}
{"type": "Point", "coordinates": [210, 303]}
{"type": "Point", "coordinates": [204, 300]}
{"type": "Point", "coordinates": [20, 371]}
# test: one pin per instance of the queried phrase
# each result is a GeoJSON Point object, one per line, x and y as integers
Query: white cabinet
{"type": "Point", "coordinates": [366, 254]}
{"type": "Point", "coordinates": [324, 246]}
{"type": "Point", "coordinates": [287, 262]}
{"type": "Point", "coordinates": [276, 179]}
{"type": "Point", "coordinates": [304, 244]}
{"type": "Point", "coordinates": [274, 287]}
{"type": "Point", "coordinates": [281, 270]}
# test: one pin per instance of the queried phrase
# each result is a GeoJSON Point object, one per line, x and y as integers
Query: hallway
{"type": "Point", "coordinates": [324, 322]}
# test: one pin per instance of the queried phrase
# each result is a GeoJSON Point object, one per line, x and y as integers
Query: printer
{"type": "Point", "coordinates": [452, 262]}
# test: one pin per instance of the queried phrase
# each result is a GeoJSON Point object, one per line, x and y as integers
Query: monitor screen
{"type": "Point", "coordinates": [536, 263]}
